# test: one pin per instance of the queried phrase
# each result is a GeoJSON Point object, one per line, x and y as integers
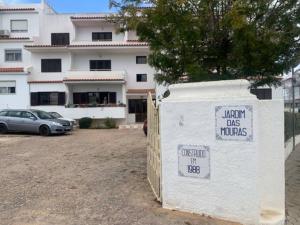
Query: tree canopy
{"type": "Point", "coordinates": [201, 40]}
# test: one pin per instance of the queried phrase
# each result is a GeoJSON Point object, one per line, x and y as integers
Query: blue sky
{"type": "Point", "coordinates": [69, 6]}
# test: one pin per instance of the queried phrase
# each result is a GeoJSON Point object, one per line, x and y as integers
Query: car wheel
{"type": "Point", "coordinates": [3, 129]}
{"type": "Point", "coordinates": [44, 130]}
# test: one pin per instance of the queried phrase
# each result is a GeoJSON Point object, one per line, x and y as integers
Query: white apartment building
{"type": "Point", "coordinates": [75, 64]}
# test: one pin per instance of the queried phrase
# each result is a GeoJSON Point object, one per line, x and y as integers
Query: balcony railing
{"type": "Point", "coordinates": [96, 75]}
{"type": "Point", "coordinates": [95, 105]}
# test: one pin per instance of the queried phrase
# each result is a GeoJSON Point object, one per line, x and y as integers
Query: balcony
{"type": "Point", "coordinates": [91, 46]}
{"type": "Point", "coordinates": [104, 76]}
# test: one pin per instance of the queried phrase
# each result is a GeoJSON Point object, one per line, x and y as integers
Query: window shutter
{"type": "Point", "coordinates": [50, 65]}
{"type": "Point", "coordinates": [60, 39]}
{"type": "Point", "coordinates": [34, 98]}
{"type": "Point", "coordinates": [100, 65]}
{"type": "Point", "coordinates": [61, 98]}
{"type": "Point", "coordinates": [19, 25]}
{"type": "Point", "coordinates": [102, 36]}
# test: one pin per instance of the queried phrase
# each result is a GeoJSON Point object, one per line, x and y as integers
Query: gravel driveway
{"type": "Point", "coordinates": [90, 177]}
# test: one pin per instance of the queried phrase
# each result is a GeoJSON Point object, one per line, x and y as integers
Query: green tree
{"type": "Point", "coordinates": [202, 40]}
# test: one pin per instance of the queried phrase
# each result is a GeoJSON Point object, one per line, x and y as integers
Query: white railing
{"type": "Point", "coordinates": [76, 74]}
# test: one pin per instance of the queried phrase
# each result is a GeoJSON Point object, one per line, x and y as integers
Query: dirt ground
{"type": "Point", "coordinates": [91, 177]}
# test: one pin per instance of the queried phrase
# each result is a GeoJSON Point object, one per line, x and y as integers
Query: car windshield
{"type": "Point", "coordinates": [44, 115]}
{"type": "Point", "coordinates": [56, 115]}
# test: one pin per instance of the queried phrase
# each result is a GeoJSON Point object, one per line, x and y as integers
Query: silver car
{"type": "Point", "coordinates": [34, 121]}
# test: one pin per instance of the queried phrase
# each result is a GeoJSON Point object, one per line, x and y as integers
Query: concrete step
{"type": "Point", "coordinates": [131, 126]}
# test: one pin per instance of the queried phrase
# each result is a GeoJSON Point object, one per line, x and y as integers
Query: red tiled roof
{"type": "Point", "coordinates": [93, 79]}
{"type": "Point", "coordinates": [14, 38]}
{"type": "Point", "coordinates": [16, 9]}
{"type": "Point", "coordinates": [108, 44]}
{"type": "Point", "coordinates": [140, 91]}
{"type": "Point", "coordinates": [113, 44]}
{"type": "Point", "coordinates": [45, 81]}
{"type": "Point", "coordinates": [12, 70]}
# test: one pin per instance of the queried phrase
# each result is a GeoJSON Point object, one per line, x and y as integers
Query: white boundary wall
{"type": "Point", "coordinates": [245, 182]}
{"type": "Point", "coordinates": [289, 145]}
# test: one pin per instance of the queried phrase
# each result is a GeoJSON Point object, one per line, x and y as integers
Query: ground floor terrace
{"type": "Point", "coordinates": [73, 97]}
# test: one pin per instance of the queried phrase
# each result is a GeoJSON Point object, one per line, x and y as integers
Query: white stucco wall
{"type": "Point", "coordinates": [77, 113]}
{"type": "Point", "coordinates": [55, 23]}
{"type": "Point", "coordinates": [19, 100]}
{"type": "Point", "coordinates": [33, 23]}
{"type": "Point", "coordinates": [84, 33]}
{"type": "Point", "coordinates": [36, 58]}
{"type": "Point", "coordinates": [241, 172]}
{"type": "Point", "coordinates": [11, 46]}
{"type": "Point", "coordinates": [59, 87]}
{"type": "Point", "coordinates": [132, 35]}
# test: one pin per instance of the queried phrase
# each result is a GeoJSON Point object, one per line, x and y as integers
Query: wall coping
{"type": "Point", "coordinates": [227, 89]}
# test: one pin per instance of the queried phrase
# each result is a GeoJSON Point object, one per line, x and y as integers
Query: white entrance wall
{"type": "Point", "coordinates": [242, 178]}
{"type": "Point", "coordinates": [19, 100]}
{"type": "Point", "coordinates": [77, 113]}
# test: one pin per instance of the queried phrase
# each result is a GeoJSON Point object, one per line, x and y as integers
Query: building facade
{"type": "Point", "coordinates": [75, 64]}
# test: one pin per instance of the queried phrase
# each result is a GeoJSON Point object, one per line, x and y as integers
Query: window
{"type": "Point", "coordinates": [102, 36]}
{"type": "Point", "coordinates": [51, 65]}
{"type": "Point", "coordinates": [43, 115]}
{"type": "Point", "coordinates": [19, 26]}
{"type": "Point", "coordinates": [96, 65]}
{"type": "Point", "coordinates": [14, 113]}
{"type": "Point", "coordinates": [139, 108]}
{"type": "Point", "coordinates": [60, 39]}
{"type": "Point", "coordinates": [13, 55]}
{"type": "Point", "coordinates": [27, 115]}
{"type": "Point", "coordinates": [7, 87]}
{"type": "Point", "coordinates": [141, 60]}
{"type": "Point", "coordinates": [262, 93]}
{"type": "Point", "coordinates": [47, 98]}
{"type": "Point", "coordinates": [141, 77]}
{"type": "Point", "coordinates": [3, 113]}
{"type": "Point", "coordinates": [95, 98]}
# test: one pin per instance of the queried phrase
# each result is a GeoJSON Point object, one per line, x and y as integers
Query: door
{"type": "Point", "coordinates": [14, 120]}
{"type": "Point", "coordinates": [29, 122]}
{"type": "Point", "coordinates": [139, 108]}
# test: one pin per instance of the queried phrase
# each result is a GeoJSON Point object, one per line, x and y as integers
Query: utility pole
{"type": "Point", "coordinates": [293, 108]}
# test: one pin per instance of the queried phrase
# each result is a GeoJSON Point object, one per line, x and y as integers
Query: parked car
{"type": "Point", "coordinates": [33, 121]}
{"type": "Point", "coordinates": [56, 115]}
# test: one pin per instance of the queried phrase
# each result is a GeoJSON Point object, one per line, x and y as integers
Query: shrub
{"type": "Point", "coordinates": [110, 123]}
{"type": "Point", "coordinates": [85, 123]}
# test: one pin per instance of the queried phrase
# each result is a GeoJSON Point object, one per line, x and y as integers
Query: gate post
{"type": "Point", "coordinates": [222, 152]}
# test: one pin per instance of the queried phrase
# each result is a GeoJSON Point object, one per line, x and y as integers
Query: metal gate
{"type": "Point", "coordinates": [153, 148]}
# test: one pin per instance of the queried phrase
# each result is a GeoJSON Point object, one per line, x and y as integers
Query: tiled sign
{"type": "Point", "coordinates": [234, 123]}
{"type": "Point", "coordinates": [194, 161]}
